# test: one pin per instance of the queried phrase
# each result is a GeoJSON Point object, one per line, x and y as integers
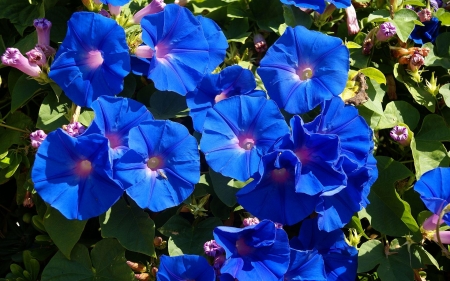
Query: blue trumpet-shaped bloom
{"type": "Point", "coordinates": [115, 117]}
{"type": "Point", "coordinates": [161, 167]}
{"type": "Point", "coordinates": [341, 260]}
{"type": "Point", "coordinates": [74, 175]}
{"type": "Point", "coordinates": [185, 267]}
{"type": "Point", "coordinates": [178, 48]}
{"type": "Point", "coordinates": [231, 81]}
{"type": "Point", "coordinates": [305, 265]}
{"type": "Point", "coordinates": [434, 192]}
{"type": "Point", "coordinates": [217, 42]}
{"type": "Point", "coordinates": [279, 174]}
{"type": "Point", "coordinates": [91, 61]}
{"type": "Point", "coordinates": [238, 131]}
{"type": "Point", "coordinates": [256, 252]}
{"type": "Point", "coordinates": [303, 68]}
{"type": "Point", "coordinates": [317, 5]}
{"type": "Point", "coordinates": [426, 33]}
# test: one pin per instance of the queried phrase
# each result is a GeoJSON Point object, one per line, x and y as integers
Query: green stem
{"type": "Point", "coordinates": [13, 128]}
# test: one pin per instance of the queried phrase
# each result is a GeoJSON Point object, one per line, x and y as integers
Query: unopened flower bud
{"type": "Point", "coordinates": [401, 135]}
{"type": "Point", "coordinates": [142, 276]}
{"type": "Point", "coordinates": [352, 20]}
{"type": "Point", "coordinates": [367, 47]}
{"type": "Point", "coordinates": [260, 43]}
{"type": "Point", "coordinates": [430, 223]}
{"type": "Point", "coordinates": [157, 241]}
{"type": "Point", "coordinates": [154, 271]}
{"type": "Point", "coordinates": [278, 225]}
{"type": "Point", "coordinates": [212, 249]}
{"type": "Point", "coordinates": [48, 50]}
{"type": "Point", "coordinates": [13, 57]}
{"type": "Point", "coordinates": [424, 15]}
{"type": "Point", "coordinates": [28, 201]}
{"type": "Point", "coordinates": [104, 13]}
{"type": "Point", "coordinates": [37, 137]}
{"type": "Point", "coordinates": [74, 129]}
{"type": "Point", "coordinates": [416, 61]}
{"type": "Point", "coordinates": [36, 56]}
{"type": "Point", "coordinates": [386, 31]}
{"type": "Point", "coordinates": [114, 10]}
{"type": "Point", "coordinates": [250, 221]}
{"type": "Point", "coordinates": [154, 7]}
{"type": "Point", "coordinates": [136, 267]}
{"type": "Point", "coordinates": [43, 27]}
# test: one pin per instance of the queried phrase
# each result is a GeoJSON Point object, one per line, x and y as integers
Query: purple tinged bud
{"type": "Point", "coordinates": [48, 50]}
{"type": "Point", "coordinates": [416, 61]}
{"type": "Point", "coordinates": [386, 31]}
{"type": "Point", "coordinates": [43, 27]}
{"type": "Point", "coordinates": [114, 10]}
{"type": "Point", "coordinates": [430, 223]}
{"type": "Point", "coordinates": [37, 137]}
{"type": "Point", "coordinates": [400, 135]}
{"type": "Point", "coordinates": [250, 221]}
{"type": "Point", "coordinates": [144, 51]}
{"type": "Point", "coordinates": [260, 43]}
{"type": "Point", "coordinates": [104, 13]}
{"type": "Point", "coordinates": [424, 15]}
{"type": "Point", "coordinates": [436, 4]}
{"type": "Point", "coordinates": [74, 129]}
{"type": "Point", "coordinates": [155, 6]}
{"type": "Point", "coordinates": [212, 249]}
{"type": "Point", "coordinates": [13, 57]}
{"type": "Point", "coordinates": [444, 235]}
{"type": "Point", "coordinates": [409, 7]}
{"type": "Point", "coordinates": [37, 56]}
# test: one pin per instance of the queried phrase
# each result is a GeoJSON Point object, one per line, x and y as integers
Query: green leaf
{"type": "Point", "coordinates": [294, 16]}
{"type": "Point", "coordinates": [16, 158]}
{"type": "Point", "coordinates": [52, 114]}
{"type": "Point", "coordinates": [404, 23]}
{"type": "Point", "coordinates": [31, 265]}
{"type": "Point", "coordinates": [355, 223]}
{"type": "Point", "coordinates": [370, 254]}
{"type": "Point", "coordinates": [374, 74]}
{"type": "Point", "coordinates": [427, 258]}
{"type": "Point", "coordinates": [21, 13]}
{"type": "Point", "coordinates": [428, 155]}
{"type": "Point", "coordinates": [58, 16]}
{"type": "Point", "coordinates": [237, 30]}
{"type": "Point", "coordinates": [397, 112]}
{"type": "Point", "coordinates": [9, 137]}
{"type": "Point", "coordinates": [108, 260]}
{"type": "Point", "coordinates": [65, 233]}
{"type": "Point", "coordinates": [166, 105]}
{"type": "Point", "coordinates": [23, 91]}
{"type": "Point", "coordinates": [442, 44]}
{"type": "Point", "coordinates": [379, 16]}
{"type": "Point", "coordinates": [443, 16]}
{"type": "Point", "coordinates": [26, 43]}
{"type": "Point", "coordinates": [417, 3]}
{"type": "Point", "coordinates": [390, 214]}
{"type": "Point", "coordinates": [129, 86]}
{"type": "Point", "coordinates": [188, 239]}
{"type": "Point", "coordinates": [444, 90]}
{"type": "Point", "coordinates": [131, 226]}
{"type": "Point", "coordinates": [86, 117]}
{"type": "Point", "coordinates": [267, 13]}
{"type": "Point", "coordinates": [433, 128]}
{"type": "Point", "coordinates": [224, 187]}
{"type": "Point", "coordinates": [353, 45]}
{"type": "Point", "coordinates": [237, 10]}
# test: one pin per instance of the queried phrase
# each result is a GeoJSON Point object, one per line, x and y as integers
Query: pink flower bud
{"type": "Point", "coordinates": [74, 129]}
{"type": "Point", "coordinates": [352, 20]}
{"type": "Point", "coordinates": [250, 221]}
{"type": "Point", "coordinates": [37, 137]}
{"type": "Point", "coordinates": [154, 7]}
{"type": "Point", "coordinates": [386, 31]}
{"type": "Point", "coordinates": [43, 27]}
{"type": "Point", "coordinates": [416, 61]}
{"type": "Point", "coordinates": [424, 15]}
{"type": "Point", "coordinates": [212, 249]}
{"type": "Point", "coordinates": [260, 43]}
{"type": "Point", "coordinates": [104, 13]}
{"type": "Point", "coordinates": [37, 56]}
{"type": "Point", "coordinates": [114, 10]}
{"type": "Point", "coordinates": [444, 235]}
{"type": "Point", "coordinates": [400, 135]}
{"type": "Point", "coordinates": [13, 57]}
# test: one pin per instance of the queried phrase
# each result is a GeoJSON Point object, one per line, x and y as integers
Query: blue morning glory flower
{"type": "Point", "coordinates": [317, 5]}
{"type": "Point", "coordinates": [161, 167]}
{"type": "Point", "coordinates": [426, 33]}
{"type": "Point", "coordinates": [305, 265]}
{"type": "Point", "coordinates": [303, 68]}
{"type": "Point", "coordinates": [185, 267]}
{"type": "Point", "coordinates": [115, 2]}
{"type": "Point", "coordinates": [217, 42]}
{"type": "Point", "coordinates": [178, 49]}
{"type": "Point", "coordinates": [434, 192]}
{"type": "Point", "coordinates": [115, 117]}
{"type": "Point", "coordinates": [279, 174]}
{"type": "Point", "coordinates": [74, 175]}
{"type": "Point", "coordinates": [231, 81]}
{"type": "Point", "coordinates": [238, 131]}
{"type": "Point", "coordinates": [341, 260]}
{"type": "Point", "coordinates": [256, 252]}
{"type": "Point", "coordinates": [91, 61]}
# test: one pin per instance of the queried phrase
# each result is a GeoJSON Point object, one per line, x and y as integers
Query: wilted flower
{"type": "Point", "coordinates": [303, 68]}
{"type": "Point", "coordinates": [36, 56]}
{"type": "Point", "coordinates": [13, 57]}
{"type": "Point", "coordinates": [43, 27]}
{"type": "Point", "coordinates": [400, 134]}
{"type": "Point", "coordinates": [104, 13]}
{"type": "Point", "coordinates": [436, 4]}
{"type": "Point", "coordinates": [424, 15]}
{"type": "Point", "coordinates": [250, 221]}
{"type": "Point", "coordinates": [74, 129]}
{"type": "Point", "coordinates": [162, 165]}
{"type": "Point", "coordinates": [74, 175]}
{"type": "Point", "coordinates": [352, 20]}
{"type": "Point", "coordinates": [426, 33]}
{"type": "Point", "coordinates": [386, 31]}
{"type": "Point", "coordinates": [415, 62]}
{"type": "Point", "coordinates": [37, 137]}
{"type": "Point", "coordinates": [212, 249]}
{"type": "Point", "coordinates": [91, 61]}
{"type": "Point", "coordinates": [155, 6]}
{"type": "Point", "coordinates": [256, 252]}
{"type": "Point", "coordinates": [185, 267]}
{"type": "Point", "coordinates": [238, 131]}
{"type": "Point", "coordinates": [260, 43]}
